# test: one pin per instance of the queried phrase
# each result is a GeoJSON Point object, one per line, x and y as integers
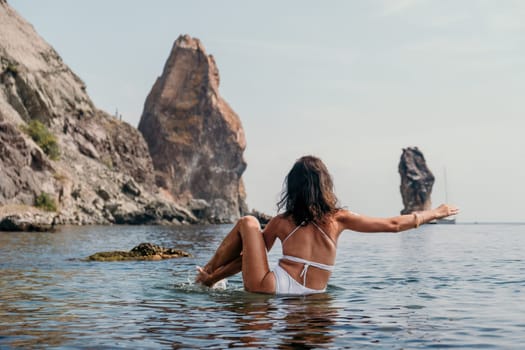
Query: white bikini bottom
{"type": "Point", "coordinates": [285, 284]}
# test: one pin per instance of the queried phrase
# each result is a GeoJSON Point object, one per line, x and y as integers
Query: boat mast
{"type": "Point", "coordinates": [446, 185]}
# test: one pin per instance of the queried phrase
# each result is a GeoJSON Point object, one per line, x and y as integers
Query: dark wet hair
{"type": "Point", "coordinates": [308, 193]}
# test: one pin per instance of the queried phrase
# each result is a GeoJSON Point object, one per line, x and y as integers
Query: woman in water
{"type": "Point", "coordinates": [308, 229]}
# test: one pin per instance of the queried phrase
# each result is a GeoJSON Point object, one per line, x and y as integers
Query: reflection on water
{"type": "Point", "coordinates": [286, 322]}
{"type": "Point", "coordinates": [239, 319]}
{"type": "Point", "coordinates": [309, 322]}
{"type": "Point", "coordinates": [457, 286]}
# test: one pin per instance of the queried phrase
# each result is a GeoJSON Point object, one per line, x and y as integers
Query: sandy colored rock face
{"type": "Point", "coordinates": [104, 173]}
{"type": "Point", "coordinates": [416, 181]}
{"type": "Point", "coordinates": [195, 139]}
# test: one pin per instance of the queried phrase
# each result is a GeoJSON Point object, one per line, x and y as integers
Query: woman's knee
{"type": "Point", "coordinates": [250, 223]}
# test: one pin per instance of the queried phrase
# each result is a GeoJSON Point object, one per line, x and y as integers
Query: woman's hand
{"type": "Point", "coordinates": [203, 277]}
{"type": "Point", "coordinates": [445, 210]}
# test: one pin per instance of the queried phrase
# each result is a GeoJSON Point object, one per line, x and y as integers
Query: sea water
{"type": "Point", "coordinates": [442, 286]}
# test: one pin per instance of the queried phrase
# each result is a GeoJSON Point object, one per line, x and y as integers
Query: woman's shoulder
{"type": "Point", "coordinates": [279, 225]}
{"type": "Point", "coordinates": [344, 216]}
{"type": "Point", "coordinates": [339, 214]}
{"type": "Point", "coordinates": [279, 221]}
{"type": "Point", "coordinates": [277, 218]}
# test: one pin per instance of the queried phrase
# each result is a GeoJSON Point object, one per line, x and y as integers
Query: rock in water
{"type": "Point", "coordinates": [144, 251]}
{"type": "Point", "coordinates": [195, 139]}
{"type": "Point", "coordinates": [416, 181]}
{"type": "Point", "coordinates": [28, 222]}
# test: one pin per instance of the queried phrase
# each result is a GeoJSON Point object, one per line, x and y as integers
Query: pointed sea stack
{"type": "Point", "coordinates": [416, 181]}
{"type": "Point", "coordinates": [195, 139]}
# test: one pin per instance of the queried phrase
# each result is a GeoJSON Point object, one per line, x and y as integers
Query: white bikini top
{"type": "Point", "coordinates": [307, 263]}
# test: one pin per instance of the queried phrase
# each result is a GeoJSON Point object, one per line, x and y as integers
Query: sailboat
{"type": "Point", "coordinates": [449, 220]}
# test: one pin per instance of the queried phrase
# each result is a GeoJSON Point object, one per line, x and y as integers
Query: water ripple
{"type": "Point", "coordinates": [448, 287]}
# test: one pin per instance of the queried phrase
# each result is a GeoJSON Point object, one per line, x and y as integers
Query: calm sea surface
{"type": "Point", "coordinates": [443, 286]}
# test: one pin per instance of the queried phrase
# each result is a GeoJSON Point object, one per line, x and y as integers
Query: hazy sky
{"type": "Point", "coordinates": [353, 82]}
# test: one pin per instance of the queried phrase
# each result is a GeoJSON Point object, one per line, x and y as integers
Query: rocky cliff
{"type": "Point", "coordinates": [58, 151]}
{"type": "Point", "coordinates": [416, 181]}
{"type": "Point", "coordinates": [195, 139]}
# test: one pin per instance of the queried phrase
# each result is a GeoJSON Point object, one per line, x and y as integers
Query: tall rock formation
{"type": "Point", "coordinates": [103, 172]}
{"type": "Point", "coordinates": [416, 181]}
{"type": "Point", "coordinates": [195, 139]}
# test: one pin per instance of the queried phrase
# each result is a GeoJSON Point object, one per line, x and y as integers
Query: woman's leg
{"type": "Point", "coordinates": [256, 273]}
{"type": "Point", "coordinates": [230, 269]}
{"type": "Point", "coordinates": [243, 247]}
{"type": "Point", "coordinates": [229, 250]}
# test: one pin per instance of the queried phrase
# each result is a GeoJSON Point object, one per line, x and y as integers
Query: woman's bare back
{"type": "Point", "coordinates": [315, 242]}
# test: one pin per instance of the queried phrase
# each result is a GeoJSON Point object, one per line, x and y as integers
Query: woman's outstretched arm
{"type": "Point", "coordinates": [361, 223]}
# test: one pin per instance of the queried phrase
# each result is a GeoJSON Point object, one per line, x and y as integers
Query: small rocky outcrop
{"type": "Point", "coordinates": [100, 170]}
{"type": "Point", "coordinates": [27, 219]}
{"type": "Point", "coordinates": [144, 251]}
{"type": "Point", "coordinates": [195, 138]}
{"type": "Point", "coordinates": [416, 181]}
